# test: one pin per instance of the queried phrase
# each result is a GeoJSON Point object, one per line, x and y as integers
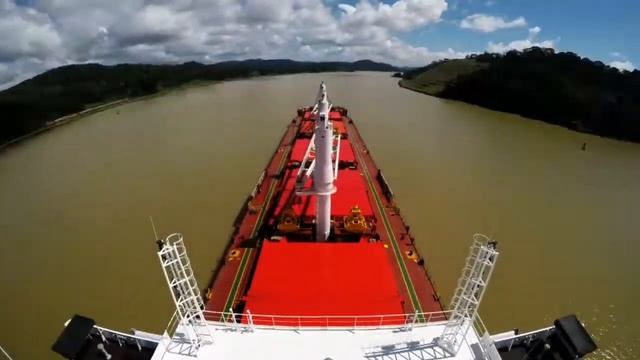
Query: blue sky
{"type": "Point", "coordinates": [591, 28]}
{"type": "Point", "coordinates": [43, 34]}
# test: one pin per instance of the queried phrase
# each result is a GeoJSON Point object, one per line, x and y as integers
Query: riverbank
{"type": "Point", "coordinates": [37, 102]}
{"type": "Point", "coordinates": [98, 108]}
{"type": "Point", "coordinates": [65, 120]}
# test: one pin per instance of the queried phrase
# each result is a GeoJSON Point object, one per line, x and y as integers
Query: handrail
{"type": "Point", "coordinates": [324, 322]}
{"type": "Point", "coordinates": [510, 341]}
{"type": "Point", "coordinates": [5, 353]}
{"type": "Point", "coordinates": [123, 335]}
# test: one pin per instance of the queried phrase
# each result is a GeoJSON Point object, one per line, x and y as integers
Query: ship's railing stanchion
{"type": "Point", "coordinates": [233, 318]}
{"type": "Point", "coordinates": [250, 319]}
{"type": "Point", "coordinates": [104, 339]}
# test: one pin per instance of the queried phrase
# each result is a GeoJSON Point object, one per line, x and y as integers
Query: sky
{"type": "Point", "coordinates": [36, 35]}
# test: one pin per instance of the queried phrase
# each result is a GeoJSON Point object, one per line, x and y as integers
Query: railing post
{"type": "Point", "coordinates": [299, 326]}
{"type": "Point", "coordinates": [104, 339]}
{"type": "Point", "coordinates": [273, 321]}
{"type": "Point", "coordinates": [233, 317]}
{"type": "Point", "coordinates": [415, 318]}
{"type": "Point", "coordinates": [355, 323]}
{"type": "Point", "coordinates": [381, 319]}
{"type": "Point", "coordinates": [250, 318]}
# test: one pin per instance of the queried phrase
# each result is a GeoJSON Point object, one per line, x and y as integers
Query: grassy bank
{"type": "Point", "coordinates": [434, 79]}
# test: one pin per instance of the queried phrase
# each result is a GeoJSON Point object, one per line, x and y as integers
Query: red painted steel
{"type": "Point", "coordinates": [383, 273]}
{"type": "Point", "coordinates": [313, 278]}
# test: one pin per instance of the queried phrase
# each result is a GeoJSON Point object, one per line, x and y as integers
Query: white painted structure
{"type": "Point", "coordinates": [397, 342]}
{"type": "Point", "coordinates": [184, 292]}
{"type": "Point", "coordinates": [323, 173]}
{"type": "Point", "coordinates": [468, 295]}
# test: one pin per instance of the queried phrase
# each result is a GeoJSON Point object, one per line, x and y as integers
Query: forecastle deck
{"type": "Point", "coordinates": [282, 271]}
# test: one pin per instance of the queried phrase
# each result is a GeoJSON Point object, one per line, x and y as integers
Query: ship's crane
{"type": "Point", "coordinates": [323, 169]}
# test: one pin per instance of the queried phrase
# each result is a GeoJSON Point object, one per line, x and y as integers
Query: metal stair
{"type": "Point", "coordinates": [184, 291]}
{"type": "Point", "coordinates": [468, 294]}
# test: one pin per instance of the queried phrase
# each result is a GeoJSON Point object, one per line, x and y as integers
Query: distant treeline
{"type": "Point", "coordinates": [33, 103]}
{"type": "Point", "coordinates": [559, 88]}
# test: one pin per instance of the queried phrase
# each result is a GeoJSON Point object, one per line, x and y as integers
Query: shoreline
{"type": "Point", "coordinates": [66, 119]}
{"type": "Point", "coordinates": [403, 84]}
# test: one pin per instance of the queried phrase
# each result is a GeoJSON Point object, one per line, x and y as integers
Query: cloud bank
{"type": "Point", "coordinates": [530, 41]}
{"type": "Point", "coordinates": [622, 65]}
{"type": "Point", "coordinates": [49, 33]}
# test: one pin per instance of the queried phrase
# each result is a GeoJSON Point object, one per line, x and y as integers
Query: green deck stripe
{"type": "Point", "coordinates": [245, 256]}
{"type": "Point", "coordinates": [236, 280]}
{"type": "Point", "coordinates": [396, 250]}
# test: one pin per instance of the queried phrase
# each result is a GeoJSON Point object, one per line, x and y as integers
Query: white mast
{"type": "Point", "coordinates": [323, 174]}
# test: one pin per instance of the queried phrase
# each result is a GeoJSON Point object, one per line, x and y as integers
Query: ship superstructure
{"type": "Point", "coordinates": [321, 265]}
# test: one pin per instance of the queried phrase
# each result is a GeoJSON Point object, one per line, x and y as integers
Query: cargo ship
{"type": "Point", "coordinates": [321, 265]}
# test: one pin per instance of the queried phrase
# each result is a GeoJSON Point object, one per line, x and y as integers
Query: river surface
{"type": "Point", "coordinates": [75, 204]}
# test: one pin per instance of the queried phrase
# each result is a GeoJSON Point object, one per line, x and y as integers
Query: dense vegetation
{"type": "Point", "coordinates": [29, 105]}
{"type": "Point", "coordinates": [559, 88]}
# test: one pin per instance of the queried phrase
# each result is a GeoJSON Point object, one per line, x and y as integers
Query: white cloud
{"type": "Point", "coordinates": [57, 32]}
{"type": "Point", "coordinates": [534, 31]}
{"type": "Point", "coordinates": [488, 23]}
{"type": "Point", "coordinates": [622, 65]}
{"type": "Point", "coordinates": [522, 44]}
{"type": "Point", "coordinates": [402, 15]}
{"type": "Point", "coordinates": [615, 54]}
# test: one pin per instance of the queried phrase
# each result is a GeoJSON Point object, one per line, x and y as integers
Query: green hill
{"type": "Point", "coordinates": [559, 88]}
{"type": "Point", "coordinates": [434, 78]}
{"type": "Point", "coordinates": [30, 105]}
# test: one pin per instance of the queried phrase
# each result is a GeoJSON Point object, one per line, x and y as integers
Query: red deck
{"type": "Point", "coordinates": [350, 184]}
{"type": "Point", "coordinates": [377, 273]}
{"type": "Point", "coordinates": [305, 279]}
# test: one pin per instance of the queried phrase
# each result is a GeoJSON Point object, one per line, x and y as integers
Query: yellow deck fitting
{"type": "Point", "coordinates": [288, 222]}
{"type": "Point", "coordinates": [234, 254]}
{"type": "Point", "coordinates": [355, 222]}
{"type": "Point", "coordinates": [412, 255]}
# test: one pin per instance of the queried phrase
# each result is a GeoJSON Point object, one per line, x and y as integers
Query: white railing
{"type": "Point", "coordinates": [248, 320]}
{"type": "Point", "coordinates": [510, 341]}
{"type": "Point", "coordinates": [5, 353]}
{"type": "Point", "coordinates": [123, 338]}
